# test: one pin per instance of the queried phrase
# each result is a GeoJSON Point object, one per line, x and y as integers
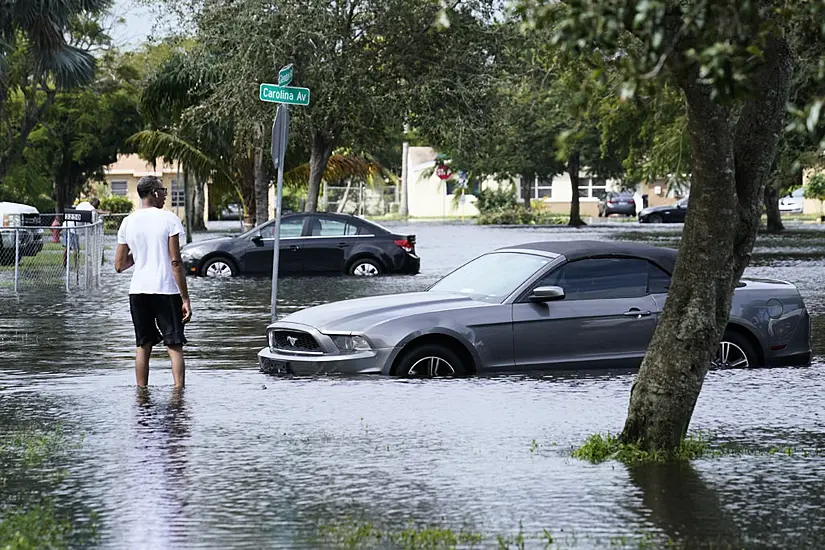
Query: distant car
{"type": "Point", "coordinates": [617, 203]}
{"type": "Point", "coordinates": [30, 240]}
{"type": "Point", "coordinates": [231, 212]}
{"type": "Point", "coordinates": [674, 213]}
{"type": "Point", "coordinates": [537, 306]}
{"type": "Point", "coordinates": [793, 203]}
{"type": "Point", "coordinates": [310, 243]}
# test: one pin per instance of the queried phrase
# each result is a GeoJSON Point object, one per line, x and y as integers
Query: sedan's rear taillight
{"type": "Point", "coordinates": [405, 244]}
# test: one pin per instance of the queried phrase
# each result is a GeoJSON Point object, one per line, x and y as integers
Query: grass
{"type": "Point", "coordinates": [28, 528]}
{"type": "Point", "coordinates": [599, 448]}
{"type": "Point", "coordinates": [361, 534]}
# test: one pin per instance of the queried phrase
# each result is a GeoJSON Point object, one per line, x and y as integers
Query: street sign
{"type": "Point", "coordinates": [443, 172]}
{"type": "Point", "coordinates": [291, 95]}
{"type": "Point", "coordinates": [285, 75]}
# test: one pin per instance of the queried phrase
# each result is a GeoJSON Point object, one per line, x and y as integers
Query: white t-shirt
{"type": "Point", "coordinates": [147, 233]}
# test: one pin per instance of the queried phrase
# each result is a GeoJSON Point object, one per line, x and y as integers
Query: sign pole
{"type": "Point", "coordinates": [284, 95]}
{"type": "Point", "coordinates": [280, 131]}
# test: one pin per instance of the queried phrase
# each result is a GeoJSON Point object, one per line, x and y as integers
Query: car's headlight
{"type": "Point", "coordinates": [351, 344]}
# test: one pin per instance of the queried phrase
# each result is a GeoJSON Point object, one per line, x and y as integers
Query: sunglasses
{"type": "Point", "coordinates": [163, 190]}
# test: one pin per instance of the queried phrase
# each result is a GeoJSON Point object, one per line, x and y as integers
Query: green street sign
{"type": "Point", "coordinates": [285, 75]}
{"type": "Point", "coordinates": [290, 95]}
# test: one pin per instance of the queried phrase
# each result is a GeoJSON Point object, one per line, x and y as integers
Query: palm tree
{"type": "Point", "coordinates": [40, 29]}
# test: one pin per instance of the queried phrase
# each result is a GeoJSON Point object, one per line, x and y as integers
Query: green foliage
{"type": "Point", "coordinates": [354, 534]}
{"type": "Point", "coordinates": [520, 216]}
{"type": "Point", "coordinates": [116, 204]}
{"type": "Point", "coordinates": [816, 187]}
{"type": "Point", "coordinates": [34, 527]}
{"type": "Point", "coordinates": [491, 200]}
{"type": "Point", "coordinates": [600, 448]}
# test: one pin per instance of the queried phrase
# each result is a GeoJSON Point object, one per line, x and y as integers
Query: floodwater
{"type": "Point", "coordinates": [243, 460]}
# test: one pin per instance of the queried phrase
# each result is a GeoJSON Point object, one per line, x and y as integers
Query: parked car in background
{"type": "Point", "coordinates": [231, 212]}
{"type": "Point", "coordinates": [674, 213]}
{"type": "Point", "coordinates": [793, 203]}
{"type": "Point", "coordinates": [30, 240]}
{"type": "Point", "coordinates": [537, 306]}
{"type": "Point", "coordinates": [310, 243]}
{"type": "Point", "coordinates": [617, 203]}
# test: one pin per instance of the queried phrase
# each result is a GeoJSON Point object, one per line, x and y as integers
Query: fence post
{"type": "Point", "coordinates": [86, 257]}
{"type": "Point", "coordinates": [68, 256]}
{"type": "Point", "coordinates": [16, 258]}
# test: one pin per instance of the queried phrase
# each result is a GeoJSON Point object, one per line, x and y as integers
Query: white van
{"type": "Point", "coordinates": [31, 240]}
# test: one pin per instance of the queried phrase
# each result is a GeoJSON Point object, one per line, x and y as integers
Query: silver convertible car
{"type": "Point", "coordinates": [537, 306]}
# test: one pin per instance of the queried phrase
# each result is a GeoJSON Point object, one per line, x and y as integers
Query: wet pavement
{"type": "Point", "coordinates": [243, 460]}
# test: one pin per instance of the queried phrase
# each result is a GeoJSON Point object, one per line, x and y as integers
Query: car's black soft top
{"type": "Point", "coordinates": [577, 250]}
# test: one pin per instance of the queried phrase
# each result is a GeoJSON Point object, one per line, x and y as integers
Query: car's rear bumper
{"type": "Point", "coordinates": [410, 265]}
{"type": "Point", "coordinates": [628, 210]}
{"type": "Point", "coordinates": [371, 362]}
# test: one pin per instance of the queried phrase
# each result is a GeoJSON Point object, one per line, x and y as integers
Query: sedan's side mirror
{"type": "Point", "coordinates": [547, 294]}
{"type": "Point", "coordinates": [258, 240]}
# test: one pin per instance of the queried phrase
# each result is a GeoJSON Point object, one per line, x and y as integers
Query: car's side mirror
{"type": "Point", "coordinates": [258, 240]}
{"type": "Point", "coordinates": [547, 294]}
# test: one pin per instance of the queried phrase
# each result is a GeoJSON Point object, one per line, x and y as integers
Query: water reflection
{"type": "Point", "coordinates": [687, 510]}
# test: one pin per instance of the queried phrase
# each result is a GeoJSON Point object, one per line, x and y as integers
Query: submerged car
{"type": "Point", "coordinates": [29, 241]}
{"type": "Point", "coordinates": [674, 213]}
{"type": "Point", "coordinates": [309, 243]}
{"type": "Point", "coordinates": [537, 306]}
{"type": "Point", "coordinates": [617, 203]}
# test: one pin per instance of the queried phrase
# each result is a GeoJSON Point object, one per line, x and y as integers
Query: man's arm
{"type": "Point", "coordinates": [123, 258]}
{"type": "Point", "coordinates": [180, 275]}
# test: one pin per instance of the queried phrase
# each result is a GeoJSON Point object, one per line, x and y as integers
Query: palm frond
{"type": "Point", "coordinates": [340, 167]}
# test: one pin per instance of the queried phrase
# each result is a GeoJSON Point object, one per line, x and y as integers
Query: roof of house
{"type": "Point", "coordinates": [577, 250]}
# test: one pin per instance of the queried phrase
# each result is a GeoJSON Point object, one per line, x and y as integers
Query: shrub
{"type": "Point", "coordinates": [519, 216]}
{"type": "Point", "coordinates": [491, 200]}
{"type": "Point", "coordinates": [116, 205]}
{"type": "Point", "coordinates": [599, 448]}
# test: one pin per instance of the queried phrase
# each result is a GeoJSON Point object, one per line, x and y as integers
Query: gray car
{"type": "Point", "coordinates": [537, 306]}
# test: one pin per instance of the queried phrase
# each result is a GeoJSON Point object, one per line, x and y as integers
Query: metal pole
{"type": "Point", "coordinates": [187, 211]}
{"type": "Point", "coordinates": [283, 110]}
{"type": "Point", "coordinates": [86, 258]}
{"type": "Point", "coordinates": [16, 257]}
{"type": "Point", "coordinates": [68, 255]}
{"type": "Point", "coordinates": [405, 207]}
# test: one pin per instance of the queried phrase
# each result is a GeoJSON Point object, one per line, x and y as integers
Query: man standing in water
{"type": "Point", "coordinates": [149, 240]}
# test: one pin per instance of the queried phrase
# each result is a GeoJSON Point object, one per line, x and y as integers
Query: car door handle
{"type": "Point", "coordinates": [634, 312]}
{"type": "Point", "coordinates": [294, 247]}
{"type": "Point", "coordinates": [343, 245]}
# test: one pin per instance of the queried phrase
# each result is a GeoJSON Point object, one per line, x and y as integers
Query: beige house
{"type": "Point", "coordinates": [430, 197]}
{"type": "Point", "coordinates": [122, 178]}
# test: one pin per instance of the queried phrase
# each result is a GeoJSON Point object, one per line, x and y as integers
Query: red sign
{"type": "Point", "coordinates": [443, 172]}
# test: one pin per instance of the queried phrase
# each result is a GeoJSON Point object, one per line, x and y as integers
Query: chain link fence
{"type": "Point", "coordinates": [63, 254]}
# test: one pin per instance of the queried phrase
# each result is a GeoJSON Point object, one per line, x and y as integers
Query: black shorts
{"type": "Point", "coordinates": [157, 318]}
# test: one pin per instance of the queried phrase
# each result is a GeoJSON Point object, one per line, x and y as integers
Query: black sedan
{"type": "Point", "coordinates": [310, 243]}
{"type": "Point", "coordinates": [674, 213]}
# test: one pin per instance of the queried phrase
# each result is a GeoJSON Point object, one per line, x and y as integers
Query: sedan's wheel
{"type": "Point", "coordinates": [735, 352]}
{"type": "Point", "coordinates": [365, 268]}
{"type": "Point", "coordinates": [430, 361]}
{"type": "Point", "coordinates": [218, 268]}
{"type": "Point", "coordinates": [655, 218]}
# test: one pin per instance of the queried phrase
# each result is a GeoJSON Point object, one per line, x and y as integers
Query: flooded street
{"type": "Point", "coordinates": [244, 460]}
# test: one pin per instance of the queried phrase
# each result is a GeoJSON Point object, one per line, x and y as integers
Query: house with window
{"type": "Point", "coordinates": [430, 197]}
{"type": "Point", "coordinates": [122, 178]}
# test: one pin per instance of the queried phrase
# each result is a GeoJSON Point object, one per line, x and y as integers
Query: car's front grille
{"type": "Point", "coordinates": [294, 341]}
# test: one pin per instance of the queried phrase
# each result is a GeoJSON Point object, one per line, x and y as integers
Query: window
{"type": "Point", "coordinates": [658, 281]}
{"type": "Point", "coordinates": [291, 228]}
{"type": "Point", "coordinates": [600, 278]}
{"type": "Point", "coordinates": [119, 188]}
{"type": "Point", "coordinates": [592, 188]}
{"type": "Point", "coordinates": [492, 277]}
{"type": "Point", "coordinates": [472, 189]}
{"type": "Point", "coordinates": [177, 196]}
{"type": "Point", "coordinates": [543, 189]}
{"type": "Point", "coordinates": [323, 227]}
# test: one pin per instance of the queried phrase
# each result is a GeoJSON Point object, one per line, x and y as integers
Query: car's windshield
{"type": "Point", "coordinates": [492, 277]}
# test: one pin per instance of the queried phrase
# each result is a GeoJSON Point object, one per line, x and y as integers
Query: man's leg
{"type": "Point", "coordinates": [142, 365]}
{"type": "Point", "coordinates": [178, 365]}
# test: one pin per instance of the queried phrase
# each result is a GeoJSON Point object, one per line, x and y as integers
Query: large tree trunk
{"type": "Point", "coordinates": [261, 179]}
{"type": "Point", "coordinates": [198, 206]}
{"type": "Point", "coordinates": [527, 190]}
{"type": "Point", "coordinates": [772, 209]}
{"type": "Point", "coordinates": [573, 168]}
{"type": "Point", "coordinates": [246, 168]}
{"type": "Point", "coordinates": [731, 164]}
{"type": "Point", "coordinates": [322, 147]}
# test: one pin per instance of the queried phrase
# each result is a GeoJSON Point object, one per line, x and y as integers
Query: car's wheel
{"type": "Point", "coordinates": [430, 361]}
{"type": "Point", "coordinates": [365, 267]}
{"type": "Point", "coordinates": [735, 352]}
{"type": "Point", "coordinates": [219, 268]}
{"type": "Point", "coordinates": [655, 218]}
